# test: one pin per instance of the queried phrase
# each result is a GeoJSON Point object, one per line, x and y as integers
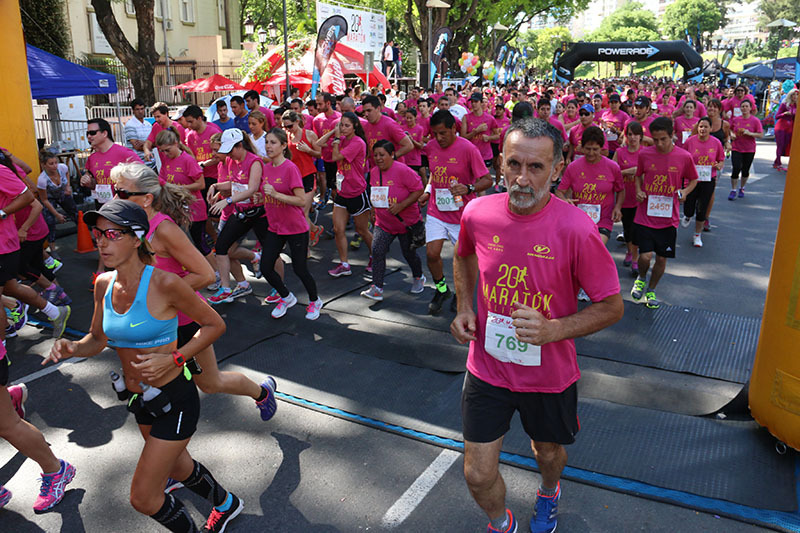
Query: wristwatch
{"type": "Point", "coordinates": [3, 215]}
{"type": "Point", "coordinates": [470, 189]}
{"type": "Point", "coordinates": [229, 200]}
{"type": "Point", "coordinates": [178, 358]}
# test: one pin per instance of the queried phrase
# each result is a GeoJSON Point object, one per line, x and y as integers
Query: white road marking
{"type": "Point", "coordinates": [48, 370]}
{"type": "Point", "coordinates": [412, 497]}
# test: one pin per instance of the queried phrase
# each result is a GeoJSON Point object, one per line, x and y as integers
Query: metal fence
{"type": "Point", "coordinates": [179, 72]}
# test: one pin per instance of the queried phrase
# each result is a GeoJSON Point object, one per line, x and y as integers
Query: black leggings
{"type": "Point", "coordinates": [741, 162]}
{"type": "Point", "coordinates": [699, 199]}
{"type": "Point", "coordinates": [381, 240]}
{"type": "Point", "coordinates": [236, 228]}
{"type": "Point", "coordinates": [298, 250]}
{"type": "Point", "coordinates": [199, 236]}
{"type": "Point", "coordinates": [628, 214]}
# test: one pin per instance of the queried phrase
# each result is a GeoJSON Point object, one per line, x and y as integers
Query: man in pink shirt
{"type": "Point", "coordinates": [480, 127]}
{"type": "Point", "coordinates": [642, 114]}
{"type": "Point", "coordinates": [378, 126]}
{"type": "Point", "coordinates": [613, 122]}
{"type": "Point", "coordinates": [325, 121]}
{"type": "Point", "coordinates": [252, 101]}
{"type": "Point", "coordinates": [661, 172]}
{"type": "Point", "coordinates": [586, 119]}
{"type": "Point", "coordinates": [198, 139]}
{"type": "Point", "coordinates": [522, 354]}
{"type": "Point", "coordinates": [160, 112]}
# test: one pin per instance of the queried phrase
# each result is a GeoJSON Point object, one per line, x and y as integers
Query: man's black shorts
{"type": "Point", "coordinates": [661, 241]}
{"type": "Point", "coordinates": [486, 412]}
{"type": "Point", "coordinates": [9, 266]}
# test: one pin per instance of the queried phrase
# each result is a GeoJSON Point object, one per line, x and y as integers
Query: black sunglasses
{"type": "Point", "coordinates": [124, 195]}
{"type": "Point", "coordinates": [89, 133]}
{"type": "Point", "coordinates": [584, 114]}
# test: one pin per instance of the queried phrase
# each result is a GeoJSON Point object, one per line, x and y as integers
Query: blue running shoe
{"type": "Point", "coordinates": [268, 405]}
{"type": "Point", "coordinates": [511, 528]}
{"type": "Point", "coordinates": [545, 512]}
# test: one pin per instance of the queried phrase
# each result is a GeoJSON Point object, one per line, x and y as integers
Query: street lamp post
{"type": "Point", "coordinates": [262, 39]}
{"type": "Point", "coordinates": [431, 5]}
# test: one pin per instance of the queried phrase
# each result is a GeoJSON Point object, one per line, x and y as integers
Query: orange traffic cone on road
{"type": "Point", "coordinates": [85, 243]}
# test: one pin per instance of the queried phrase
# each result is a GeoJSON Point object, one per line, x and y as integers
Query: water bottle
{"type": "Point", "coordinates": [154, 400]}
{"type": "Point", "coordinates": [118, 384]}
{"type": "Point", "coordinates": [456, 197]}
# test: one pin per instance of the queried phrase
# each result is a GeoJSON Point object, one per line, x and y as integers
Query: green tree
{"type": "Point", "coordinates": [43, 24]}
{"type": "Point", "coordinates": [542, 44]}
{"type": "Point", "coordinates": [688, 14]}
{"type": "Point", "coordinates": [631, 22]}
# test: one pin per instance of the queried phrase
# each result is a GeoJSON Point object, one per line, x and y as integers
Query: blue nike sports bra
{"type": "Point", "coordinates": [136, 328]}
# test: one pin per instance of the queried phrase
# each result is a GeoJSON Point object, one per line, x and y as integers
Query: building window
{"type": "Point", "coordinates": [130, 9]}
{"type": "Point", "coordinates": [157, 9]}
{"type": "Point", "coordinates": [221, 13]}
{"type": "Point", "coordinates": [187, 10]}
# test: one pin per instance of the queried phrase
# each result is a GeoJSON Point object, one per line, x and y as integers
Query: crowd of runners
{"type": "Point", "coordinates": [527, 182]}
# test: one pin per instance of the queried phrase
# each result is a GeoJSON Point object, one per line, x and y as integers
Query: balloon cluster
{"type": "Point", "coordinates": [469, 63]}
{"type": "Point", "coordinates": [489, 71]}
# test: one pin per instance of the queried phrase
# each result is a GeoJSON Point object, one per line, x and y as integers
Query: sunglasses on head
{"type": "Point", "coordinates": [111, 234]}
{"type": "Point", "coordinates": [124, 195]}
{"type": "Point", "coordinates": [90, 133]}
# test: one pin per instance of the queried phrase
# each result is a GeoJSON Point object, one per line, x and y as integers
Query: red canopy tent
{"type": "Point", "coordinates": [212, 84]}
{"type": "Point", "coordinates": [352, 62]}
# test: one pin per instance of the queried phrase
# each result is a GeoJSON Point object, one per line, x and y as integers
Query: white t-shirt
{"type": "Point", "coordinates": [260, 144]}
{"type": "Point", "coordinates": [63, 171]}
{"type": "Point", "coordinates": [388, 54]}
{"type": "Point", "coordinates": [458, 111]}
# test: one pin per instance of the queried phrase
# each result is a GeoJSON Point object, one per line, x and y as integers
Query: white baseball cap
{"type": "Point", "coordinates": [229, 139]}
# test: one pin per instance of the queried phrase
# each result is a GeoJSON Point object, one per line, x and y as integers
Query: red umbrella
{"type": "Point", "coordinates": [216, 83]}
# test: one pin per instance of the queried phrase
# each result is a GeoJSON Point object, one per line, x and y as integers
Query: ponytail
{"type": "Point", "coordinates": [169, 199]}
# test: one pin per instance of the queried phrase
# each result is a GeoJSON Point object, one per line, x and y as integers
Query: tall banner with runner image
{"type": "Point", "coordinates": [440, 41]}
{"type": "Point", "coordinates": [499, 55]}
{"type": "Point", "coordinates": [333, 29]}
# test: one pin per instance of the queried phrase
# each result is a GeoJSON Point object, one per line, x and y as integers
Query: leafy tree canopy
{"type": "Point", "coordinates": [631, 22]}
{"type": "Point", "coordinates": [688, 14]}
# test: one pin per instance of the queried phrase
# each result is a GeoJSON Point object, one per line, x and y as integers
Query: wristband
{"type": "Point", "coordinates": [428, 188]}
{"type": "Point", "coordinates": [178, 358]}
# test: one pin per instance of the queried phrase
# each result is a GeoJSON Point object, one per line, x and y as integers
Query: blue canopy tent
{"type": "Point", "coordinates": [53, 77]}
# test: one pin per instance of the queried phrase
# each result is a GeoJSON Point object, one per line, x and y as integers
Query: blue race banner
{"type": "Point", "coordinates": [333, 29]}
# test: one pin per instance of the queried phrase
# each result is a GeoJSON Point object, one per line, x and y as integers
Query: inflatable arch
{"type": "Point", "coordinates": [566, 61]}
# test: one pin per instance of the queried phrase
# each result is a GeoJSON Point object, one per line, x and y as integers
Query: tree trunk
{"type": "Point", "coordinates": [140, 63]}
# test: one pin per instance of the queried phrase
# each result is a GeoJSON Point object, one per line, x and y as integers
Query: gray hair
{"type": "Point", "coordinates": [169, 199]}
{"type": "Point", "coordinates": [533, 128]}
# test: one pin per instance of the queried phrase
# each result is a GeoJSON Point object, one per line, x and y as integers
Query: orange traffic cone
{"type": "Point", "coordinates": [85, 243]}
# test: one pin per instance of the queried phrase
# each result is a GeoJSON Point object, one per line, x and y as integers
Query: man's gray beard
{"type": "Point", "coordinates": [525, 202]}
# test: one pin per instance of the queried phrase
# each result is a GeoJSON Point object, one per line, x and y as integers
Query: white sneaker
{"type": "Point", "coordinates": [685, 221]}
{"type": "Point", "coordinates": [418, 285]}
{"type": "Point", "coordinates": [620, 237]}
{"type": "Point", "coordinates": [697, 241]}
{"type": "Point", "coordinates": [312, 310]}
{"type": "Point", "coordinates": [283, 305]}
{"type": "Point", "coordinates": [373, 293]}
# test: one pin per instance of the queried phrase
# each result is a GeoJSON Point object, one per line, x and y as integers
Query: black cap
{"type": "Point", "coordinates": [122, 213]}
{"type": "Point", "coordinates": [477, 97]}
{"type": "Point", "coordinates": [642, 101]}
{"type": "Point", "coordinates": [614, 97]}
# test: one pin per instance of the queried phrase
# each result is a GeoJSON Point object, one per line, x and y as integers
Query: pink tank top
{"type": "Point", "coordinates": [169, 264]}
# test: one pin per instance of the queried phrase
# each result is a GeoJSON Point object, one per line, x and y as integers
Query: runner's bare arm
{"type": "Point", "coordinates": [94, 341]}
{"type": "Point", "coordinates": [465, 274]}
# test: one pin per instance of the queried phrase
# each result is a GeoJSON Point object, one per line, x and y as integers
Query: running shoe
{"type": "Point", "coordinates": [707, 225]}
{"type": "Point", "coordinates": [511, 528]}
{"type": "Point", "coordinates": [741, 192]}
{"type": "Point", "coordinates": [172, 484]}
{"type": "Point", "coordinates": [315, 234]}
{"type": "Point", "coordinates": [783, 168]}
{"type": "Point", "coordinates": [439, 298]}
{"type": "Point", "coordinates": [273, 297]}
{"type": "Point", "coordinates": [652, 301]}
{"type": "Point", "coordinates": [373, 293]}
{"type": "Point", "coordinates": [418, 285]}
{"type": "Point", "coordinates": [10, 331]}
{"type": "Point", "coordinates": [635, 269]}
{"type": "Point", "coordinates": [19, 394]}
{"type": "Point", "coordinates": [51, 295]}
{"type": "Point", "coordinates": [697, 242]}
{"type": "Point", "coordinates": [5, 496]}
{"type": "Point", "coordinates": [628, 259]}
{"type": "Point", "coordinates": [313, 309]}
{"type": "Point", "coordinates": [222, 296]}
{"type": "Point", "coordinates": [369, 266]}
{"type": "Point", "coordinates": [218, 520]}
{"type": "Point", "coordinates": [732, 196]}
{"type": "Point", "coordinates": [545, 512]}
{"type": "Point", "coordinates": [583, 297]}
{"type": "Point", "coordinates": [685, 221]}
{"type": "Point", "coordinates": [283, 305]}
{"type": "Point", "coordinates": [241, 289]}
{"type": "Point", "coordinates": [638, 289]}
{"type": "Point", "coordinates": [52, 490]}
{"type": "Point", "coordinates": [60, 322]}
{"type": "Point", "coordinates": [18, 316]}
{"type": "Point", "coordinates": [269, 404]}
{"type": "Point", "coordinates": [620, 237]}
{"type": "Point", "coordinates": [341, 270]}
{"type": "Point", "coordinates": [355, 244]}
{"type": "Point", "coordinates": [214, 287]}
{"type": "Point", "coordinates": [54, 266]}
{"type": "Point", "coordinates": [255, 263]}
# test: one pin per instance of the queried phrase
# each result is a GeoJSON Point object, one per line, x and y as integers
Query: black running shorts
{"type": "Point", "coordinates": [9, 266]}
{"type": "Point", "coordinates": [5, 362]}
{"type": "Point", "coordinates": [309, 181]}
{"type": "Point", "coordinates": [355, 206]}
{"type": "Point", "coordinates": [661, 241]}
{"type": "Point", "coordinates": [486, 412]}
{"type": "Point", "coordinates": [180, 422]}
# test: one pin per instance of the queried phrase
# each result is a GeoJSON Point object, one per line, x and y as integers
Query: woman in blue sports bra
{"type": "Point", "coordinates": [136, 308]}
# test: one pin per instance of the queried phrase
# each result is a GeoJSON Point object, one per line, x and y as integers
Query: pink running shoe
{"type": "Point", "coordinates": [19, 394]}
{"type": "Point", "coordinates": [340, 270]}
{"type": "Point", "coordinates": [53, 485]}
{"type": "Point", "coordinates": [5, 496]}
